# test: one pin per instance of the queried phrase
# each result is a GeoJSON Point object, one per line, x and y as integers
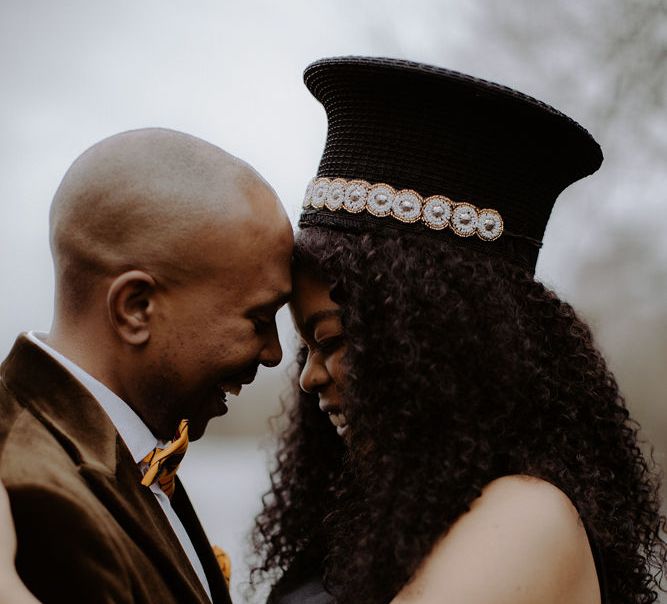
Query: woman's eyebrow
{"type": "Point", "coordinates": [320, 315]}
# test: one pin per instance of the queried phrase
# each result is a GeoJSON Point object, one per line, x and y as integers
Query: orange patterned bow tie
{"type": "Point", "coordinates": [163, 463]}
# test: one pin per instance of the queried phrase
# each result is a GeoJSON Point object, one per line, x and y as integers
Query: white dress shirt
{"type": "Point", "coordinates": [136, 435]}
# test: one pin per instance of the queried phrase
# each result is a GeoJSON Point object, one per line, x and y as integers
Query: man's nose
{"type": "Point", "coordinates": [272, 353]}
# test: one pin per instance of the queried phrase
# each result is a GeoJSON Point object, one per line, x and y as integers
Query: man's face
{"type": "Point", "coordinates": [211, 335]}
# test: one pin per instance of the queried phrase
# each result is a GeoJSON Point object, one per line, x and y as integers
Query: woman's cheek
{"type": "Point", "coordinates": [336, 366]}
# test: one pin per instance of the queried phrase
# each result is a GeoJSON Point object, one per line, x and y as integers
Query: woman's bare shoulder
{"type": "Point", "coordinates": [521, 542]}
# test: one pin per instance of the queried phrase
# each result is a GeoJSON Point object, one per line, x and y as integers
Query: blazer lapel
{"type": "Point", "coordinates": [183, 508]}
{"type": "Point", "coordinates": [85, 431]}
{"type": "Point", "coordinates": [135, 508]}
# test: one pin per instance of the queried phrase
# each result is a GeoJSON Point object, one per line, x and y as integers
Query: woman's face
{"type": "Point", "coordinates": [318, 320]}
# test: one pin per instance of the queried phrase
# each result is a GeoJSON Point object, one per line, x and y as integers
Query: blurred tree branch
{"type": "Point", "coordinates": [611, 55]}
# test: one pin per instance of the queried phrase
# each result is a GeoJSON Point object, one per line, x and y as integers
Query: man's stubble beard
{"type": "Point", "coordinates": [163, 410]}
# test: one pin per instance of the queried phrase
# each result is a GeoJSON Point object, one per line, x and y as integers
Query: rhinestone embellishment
{"type": "Point", "coordinates": [308, 198]}
{"type": "Point", "coordinates": [380, 200]}
{"type": "Point", "coordinates": [320, 192]}
{"type": "Point", "coordinates": [489, 225]}
{"type": "Point", "coordinates": [336, 194]}
{"type": "Point", "coordinates": [437, 212]}
{"type": "Point", "coordinates": [464, 220]}
{"type": "Point", "coordinates": [356, 194]}
{"type": "Point", "coordinates": [407, 206]}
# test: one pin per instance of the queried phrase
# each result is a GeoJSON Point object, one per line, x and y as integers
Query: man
{"type": "Point", "coordinates": [171, 259]}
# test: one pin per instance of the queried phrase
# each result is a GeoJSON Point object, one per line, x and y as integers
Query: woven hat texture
{"type": "Point", "coordinates": [438, 131]}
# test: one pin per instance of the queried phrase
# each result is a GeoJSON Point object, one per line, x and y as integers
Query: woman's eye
{"type": "Point", "coordinates": [329, 344]}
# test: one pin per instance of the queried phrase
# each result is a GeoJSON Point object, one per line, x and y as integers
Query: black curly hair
{"type": "Point", "coordinates": [461, 369]}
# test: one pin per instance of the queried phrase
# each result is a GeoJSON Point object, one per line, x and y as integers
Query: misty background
{"type": "Point", "coordinates": [74, 72]}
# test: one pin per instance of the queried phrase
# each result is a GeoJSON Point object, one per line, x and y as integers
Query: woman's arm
{"type": "Point", "coordinates": [522, 542]}
{"type": "Point", "coordinates": [11, 586]}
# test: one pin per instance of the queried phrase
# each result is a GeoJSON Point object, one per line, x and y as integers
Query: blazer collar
{"type": "Point", "coordinates": [57, 398]}
{"type": "Point", "coordinates": [131, 428]}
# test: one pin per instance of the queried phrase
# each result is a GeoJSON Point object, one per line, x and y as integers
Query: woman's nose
{"type": "Point", "coordinates": [314, 375]}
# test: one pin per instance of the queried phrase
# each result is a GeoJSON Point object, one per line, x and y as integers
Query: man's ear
{"type": "Point", "coordinates": [131, 305]}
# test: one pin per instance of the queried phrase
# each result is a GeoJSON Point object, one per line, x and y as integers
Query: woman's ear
{"type": "Point", "coordinates": [130, 304]}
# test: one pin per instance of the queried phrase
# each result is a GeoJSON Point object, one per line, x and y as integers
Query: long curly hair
{"type": "Point", "coordinates": [461, 368]}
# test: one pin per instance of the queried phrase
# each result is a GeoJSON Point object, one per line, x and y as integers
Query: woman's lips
{"type": "Point", "coordinates": [336, 417]}
{"type": "Point", "coordinates": [340, 422]}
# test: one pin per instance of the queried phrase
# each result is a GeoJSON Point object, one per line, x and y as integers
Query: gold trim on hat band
{"type": "Point", "coordinates": [437, 212]}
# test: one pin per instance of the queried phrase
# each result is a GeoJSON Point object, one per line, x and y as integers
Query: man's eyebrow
{"type": "Point", "coordinates": [318, 316]}
{"type": "Point", "coordinates": [272, 306]}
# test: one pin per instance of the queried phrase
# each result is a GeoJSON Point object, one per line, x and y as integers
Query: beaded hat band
{"type": "Point", "coordinates": [436, 212]}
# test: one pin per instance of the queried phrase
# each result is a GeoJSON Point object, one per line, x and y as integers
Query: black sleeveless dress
{"type": "Point", "coordinates": [311, 590]}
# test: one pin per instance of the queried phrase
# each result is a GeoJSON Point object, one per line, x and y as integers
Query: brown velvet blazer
{"type": "Point", "coordinates": [87, 530]}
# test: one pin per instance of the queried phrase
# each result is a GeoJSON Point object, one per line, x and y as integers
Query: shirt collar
{"type": "Point", "coordinates": [137, 437]}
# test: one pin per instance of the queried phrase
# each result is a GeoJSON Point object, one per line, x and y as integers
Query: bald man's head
{"type": "Point", "coordinates": [138, 199]}
{"type": "Point", "coordinates": [172, 258]}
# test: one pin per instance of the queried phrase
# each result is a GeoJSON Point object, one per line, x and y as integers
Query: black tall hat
{"type": "Point", "coordinates": [441, 133]}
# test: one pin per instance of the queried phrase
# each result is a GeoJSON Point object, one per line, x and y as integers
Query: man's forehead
{"type": "Point", "coordinates": [259, 247]}
{"type": "Point", "coordinates": [268, 281]}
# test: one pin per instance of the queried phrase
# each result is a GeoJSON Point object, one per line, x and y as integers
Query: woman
{"type": "Point", "coordinates": [457, 437]}
{"type": "Point", "coordinates": [11, 588]}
